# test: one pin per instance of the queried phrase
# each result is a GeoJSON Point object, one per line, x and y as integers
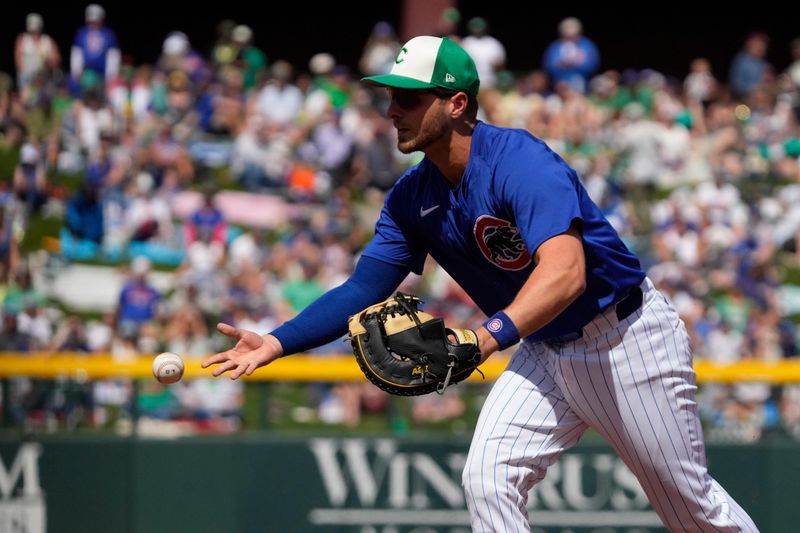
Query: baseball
{"type": "Point", "coordinates": [168, 367]}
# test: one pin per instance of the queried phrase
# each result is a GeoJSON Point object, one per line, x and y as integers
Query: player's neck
{"type": "Point", "coordinates": [452, 155]}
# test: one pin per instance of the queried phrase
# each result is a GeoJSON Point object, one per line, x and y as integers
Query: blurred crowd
{"type": "Point", "coordinates": [162, 167]}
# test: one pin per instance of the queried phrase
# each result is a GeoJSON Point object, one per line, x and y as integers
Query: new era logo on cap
{"type": "Point", "coordinates": [428, 62]}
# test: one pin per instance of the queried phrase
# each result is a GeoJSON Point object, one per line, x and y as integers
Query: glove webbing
{"type": "Point", "coordinates": [409, 304]}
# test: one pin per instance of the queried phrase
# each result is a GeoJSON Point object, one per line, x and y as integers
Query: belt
{"type": "Point", "coordinates": [629, 304]}
{"type": "Point", "coordinates": [623, 308]}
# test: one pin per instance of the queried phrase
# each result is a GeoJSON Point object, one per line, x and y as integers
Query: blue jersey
{"type": "Point", "coordinates": [515, 194]}
{"type": "Point", "coordinates": [138, 302]}
{"type": "Point", "coordinates": [95, 44]}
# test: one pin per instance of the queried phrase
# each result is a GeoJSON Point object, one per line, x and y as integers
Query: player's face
{"type": "Point", "coordinates": [419, 117]}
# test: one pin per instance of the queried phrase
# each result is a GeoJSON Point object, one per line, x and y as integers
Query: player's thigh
{"type": "Point", "coordinates": [525, 423]}
{"type": "Point", "coordinates": [638, 391]}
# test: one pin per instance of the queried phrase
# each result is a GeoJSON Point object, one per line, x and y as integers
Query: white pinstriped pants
{"type": "Point", "coordinates": [633, 382]}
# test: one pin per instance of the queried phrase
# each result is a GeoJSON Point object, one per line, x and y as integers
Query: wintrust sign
{"type": "Point", "coordinates": [385, 485]}
{"type": "Point", "coordinates": [22, 508]}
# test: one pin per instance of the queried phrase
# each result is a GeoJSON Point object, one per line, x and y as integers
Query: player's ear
{"type": "Point", "coordinates": [458, 103]}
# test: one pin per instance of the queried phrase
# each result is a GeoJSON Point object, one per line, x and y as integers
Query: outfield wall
{"type": "Point", "coordinates": [254, 483]}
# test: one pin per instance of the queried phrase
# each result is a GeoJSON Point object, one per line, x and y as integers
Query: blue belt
{"type": "Point", "coordinates": [623, 308]}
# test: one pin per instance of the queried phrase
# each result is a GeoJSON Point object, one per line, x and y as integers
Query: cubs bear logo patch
{"type": "Point", "coordinates": [500, 243]}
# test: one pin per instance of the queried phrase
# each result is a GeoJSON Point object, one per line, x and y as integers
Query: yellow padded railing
{"type": "Point", "coordinates": [330, 368]}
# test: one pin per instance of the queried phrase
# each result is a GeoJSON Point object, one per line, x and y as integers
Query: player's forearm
{"type": "Point", "coordinates": [319, 323]}
{"type": "Point", "coordinates": [544, 296]}
{"type": "Point", "coordinates": [550, 289]}
{"type": "Point", "coordinates": [558, 279]}
{"type": "Point", "coordinates": [326, 318]}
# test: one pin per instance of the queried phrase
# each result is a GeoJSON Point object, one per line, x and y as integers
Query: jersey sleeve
{"type": "Point", "coordinates": [542, 193]}
{"type": "Point", "coordinates": [394, 243]}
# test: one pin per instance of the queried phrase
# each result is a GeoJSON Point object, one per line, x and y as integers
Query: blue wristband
{"type": "Point", "coordinates": [502, 329]}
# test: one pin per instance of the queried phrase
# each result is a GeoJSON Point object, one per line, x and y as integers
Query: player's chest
{"type": "Point", "coordinates": [471, 225]}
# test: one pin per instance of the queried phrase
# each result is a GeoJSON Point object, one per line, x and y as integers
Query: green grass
{"type": "Point", "coordinates": [39, 228]}
{"type": "Point", "coordinates": [789, 274]}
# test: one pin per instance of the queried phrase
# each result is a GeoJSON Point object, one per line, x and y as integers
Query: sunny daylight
{"type": "Point", "coordinates": [415, 266]}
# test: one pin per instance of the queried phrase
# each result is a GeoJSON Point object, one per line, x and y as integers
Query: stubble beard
{"type": "Point", "coordinates": [431, 130]}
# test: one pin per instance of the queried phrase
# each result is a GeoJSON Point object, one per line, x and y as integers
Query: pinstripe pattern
{"type": "Point", "coordinates": [633, 382]}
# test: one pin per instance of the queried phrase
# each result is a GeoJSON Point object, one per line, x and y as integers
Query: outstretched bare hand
{"type": "Point", "coordinates": [250, 352]}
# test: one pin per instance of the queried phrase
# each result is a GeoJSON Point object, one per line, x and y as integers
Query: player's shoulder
{"type": "Point", "coordinates": [495, 143]}
{"type": "Point", "coordinates": [412, 179]}
{"type": "Point", "coordinates": [516, 155]}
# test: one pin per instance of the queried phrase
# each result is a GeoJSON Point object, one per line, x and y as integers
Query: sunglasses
{"type": "Point", "coordinates": [408, 99]}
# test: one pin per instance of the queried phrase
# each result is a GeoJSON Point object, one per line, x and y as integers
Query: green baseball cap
{"type": "Point", "coordinates": [429, 62]}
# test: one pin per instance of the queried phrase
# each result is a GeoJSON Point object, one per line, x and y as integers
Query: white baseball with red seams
{"type": "Point", "coordinates": [168, 367]}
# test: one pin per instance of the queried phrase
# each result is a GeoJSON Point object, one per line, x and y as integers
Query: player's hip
{"type": "Point", "coordinates": [632, 327]}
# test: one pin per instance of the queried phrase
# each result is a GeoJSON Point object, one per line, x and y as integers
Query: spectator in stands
{"type": "Point", "coordinates": [213, 405]}
{"type": "Point", "coordinates": [380, 50]}
{"type": "Point", "coordinates": [100, 165]}
{"type": "Point", "coordinates": [756, 275]}
{"type": "Point", "coordinates": [202, 263]}
{"type": "Point", "coordinates": [794, 68]}
{"type": "Point", "coordinates": [224, 50]}
{"type": "Point", "coordinates": [186, 331]}
{"type": "Point", "coordinates": [138, 300]}
{"type": "Point", "coordinates": [34, 52]}
{"type": "Point", "coordinates": [91, 116]}
{"type": "Point", "coordinates": [34, 321]}
{"type": "Point", "coordinates": [700, 85]}
{"type": "Point", "coordinates": [261, 156]}
{"type": "Point", "coordinates": [22, 293]}
{"type": "Point", "coordinates": [572, 58]}
{"type": "Point", "coordinates": [228, 104]}
{"type": "Point", "coordinates": [177, 54]}
{"type": "Point", "coordinates": [12, 117]}
{"type": "Point", "coordinates": [332, 148]}
{"type": "Point", "coordinates": [305, 286]}
{"type": "Point", "coordinates": [148, 216]}
{"type": "Point", "coordinates": [250, 59]}
{"type": "Point", "coordinates": [793, 73]}
{"type": "Point", "coordinates": [679, 240]}
{"type": "Point", "coordinates": [140, 93]}
{"type": "Point", "coordinates": [487, 51]}
{"type": "Point", "coordinates": [750, 68]}
{"type": "Point", "coordinates": [447, 25]}
{"type": "Point", "coordinates": [9, 246]}
{"type": "Point", "coordinates": [71, 336]}
{"type": "Point", "coordinates": [375, 161]}
{"type": "Point", "coordinates": [179, 101]}
{"type": "Point", "coordinates": [245, 250]}
{"type": "Point", "coordinates": [30, 180]}
{"type": "Point", "coordinates": [206, 220]}
{"type": "Point", "coordinates": [11, 338]}
{"type": "Point", "coordinates": [330, 86]}
{"type": "Point", "coordinates": [95, 48]}
{"type": "Point", "coordinates": [169, 161]}
{"type": "Point", "coordinates": [280, 101]}
{"type": "Point", "coordinates": [84, 216]}
{"type": "Point", "coordinates": [25, 395]}
{"type": "Point", "coordinates": [100, 333]}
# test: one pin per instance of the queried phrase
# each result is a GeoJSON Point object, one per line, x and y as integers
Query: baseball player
{"type": "Point", "coordinates": [512, 224]}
